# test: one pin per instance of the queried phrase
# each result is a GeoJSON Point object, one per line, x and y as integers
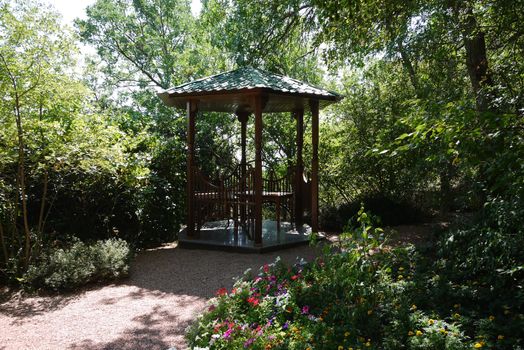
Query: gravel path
{"type": "Point", "coordinates": [166, 289]}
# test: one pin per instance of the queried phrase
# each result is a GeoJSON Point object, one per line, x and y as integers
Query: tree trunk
{"type": "Point", "coordinates": [408, 65]}
{"type": "Point", "coordinates": [4, 247]}
{"type": "Point", "coordinates": [21, 181]}
{"type": "Point", "coordinates": [446, 175]}
{"type": "Point", "coordinates": [476, 58]}
{"type": "Point", "coordinates": [42, 209]}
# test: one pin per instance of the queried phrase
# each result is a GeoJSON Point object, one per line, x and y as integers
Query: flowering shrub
{"type": "Point", "coordinates": [358, 295]}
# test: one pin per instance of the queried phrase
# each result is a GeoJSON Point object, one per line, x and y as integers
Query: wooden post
{"type": "Point", "coordinates": [313, 104]}
{"type": "Point", "coordinates": [242, 118]}
{"type": "Point", "coordinates": [191, 115]}
{"type": "Point", "coordinates": [258, 169]}
{"type": "Point", "coordinates": [299, 169]}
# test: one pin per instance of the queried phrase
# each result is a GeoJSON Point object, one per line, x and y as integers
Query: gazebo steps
{"type": "Point", "coordinates": [217, 236]}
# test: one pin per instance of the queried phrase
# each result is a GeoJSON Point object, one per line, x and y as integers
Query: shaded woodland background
{"type": "Point", "coordinates": [431, 122]}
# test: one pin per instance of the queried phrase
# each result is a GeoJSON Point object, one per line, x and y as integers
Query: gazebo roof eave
{"type": "Point", "coordinates": [178, 100]}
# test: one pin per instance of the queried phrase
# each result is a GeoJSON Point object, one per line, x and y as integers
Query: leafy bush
{"type": "Point", "coordinates": [479, 272]}
{"type": "Point", "coordinates": [81, 263]}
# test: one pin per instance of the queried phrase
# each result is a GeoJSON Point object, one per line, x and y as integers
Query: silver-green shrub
{"type": "Point", "coordinates": [79, 264]}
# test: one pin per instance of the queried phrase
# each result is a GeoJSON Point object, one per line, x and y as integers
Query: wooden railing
{"type": "Point", "coordinates": [273, 183]}
{"type": "Point", "coordinates": [230, 196]}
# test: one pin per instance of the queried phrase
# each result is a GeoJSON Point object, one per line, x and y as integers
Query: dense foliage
{"type": "Point", "coordinates": [79, 264]}
{"type": "Point", "coordinates": [364, 295]}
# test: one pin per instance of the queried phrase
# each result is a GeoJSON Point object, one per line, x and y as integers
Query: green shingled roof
{"type": "Point", "coordinates": [250, 78]}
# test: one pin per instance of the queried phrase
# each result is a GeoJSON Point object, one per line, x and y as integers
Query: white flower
{"type": "Point", "coordinates": [282, 300]}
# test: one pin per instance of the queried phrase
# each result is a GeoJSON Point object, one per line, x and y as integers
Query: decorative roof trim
{"type": "Point", "coordinates": [248, 79]}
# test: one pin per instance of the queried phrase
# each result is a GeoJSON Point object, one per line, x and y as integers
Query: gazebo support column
{"type": "Point", "coordinates": [191, 115]}
{"type": "Point", "coordinates": [258, 169]}
{"type": "Point", "coordinates": [299, 170]}
{"type": "Point", "coordinates": [242, 118]}
{"type": "Point", "coordinates": [313, 104]}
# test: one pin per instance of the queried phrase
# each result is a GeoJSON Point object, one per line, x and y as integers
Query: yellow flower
{"type": "Point", "coordinates": [401, 268]}
{"type": "Point", "coordinates": [370, 312]}
{"type": "Point", "coordinates": [443, 331]}
{"type": "Point", "coordinates": [340, 347]}
{"type": "Point", "coordinates": [413, 307]}
{"type": "Point", "coordinates": [456, 306]}
{"type": "Point", "coordinates": [418, 333]}
{"type": "Point", "coordinates": [368, 344]}
{"type": "Point", "coordinates": [346, 334]}
{"type": "Point", "coordinates": [478, 345]}
{"type": "Point", "coordinates": [410, 333]}
{"type": "Point", "coordinates": [400, 277]}
{"type": "Point", "coordinates": [456, 315]}
{"type": "Point", "coordinates": [431, 322]}
{"type": "Point", "coordinates": [491, 318]}
{"type": "Point", "coordinates": [500, 337]}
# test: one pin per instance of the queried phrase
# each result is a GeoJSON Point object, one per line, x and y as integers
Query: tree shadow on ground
{"type": "Point", "coordinates": [20, 306]}
{"type": "Point", "coordinates": [147, 332]}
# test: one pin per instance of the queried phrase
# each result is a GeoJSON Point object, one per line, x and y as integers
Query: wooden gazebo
{"type": "Point", "coordinates": [239, 196]}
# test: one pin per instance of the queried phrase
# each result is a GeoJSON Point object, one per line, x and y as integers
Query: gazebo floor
{"type": "Point", "coordinates": [215, 235]}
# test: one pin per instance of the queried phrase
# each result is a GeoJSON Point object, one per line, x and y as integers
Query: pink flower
{"type": "Point", "coordinates": [266, 268]}
{"type": "Point", "coordinates": [305, 310]}
{"type": "Point", "coordinates": [227, 333]}
{"type": "Point", "coordinates": [249, 342]}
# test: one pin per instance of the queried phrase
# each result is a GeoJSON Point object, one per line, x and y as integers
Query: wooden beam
{"type": "Point", "coordinates": [258, 169]}
{"type": "Point", "coordinates": [299, 168]}
{"type": "Point", "coordinates": [313, 105]}
{"type": "Point", "coordinates": [192, 109]}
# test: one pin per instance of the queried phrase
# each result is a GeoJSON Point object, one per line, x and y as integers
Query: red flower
{"type": "Point", "coordinates": [266, 268]}
{"type": "Point", "coordinates": [252, 300]}
{"type": "Point", "coordinates": [221, 291]}
{"type": "Point", "coordinates": [294, 277]}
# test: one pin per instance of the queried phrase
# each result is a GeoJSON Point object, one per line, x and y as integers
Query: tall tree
{"type": "Point", "coordinates": [34, 51]}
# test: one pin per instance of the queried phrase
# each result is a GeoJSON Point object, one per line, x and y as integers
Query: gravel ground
{"type": "Point", "coordinates": [166, 289]}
